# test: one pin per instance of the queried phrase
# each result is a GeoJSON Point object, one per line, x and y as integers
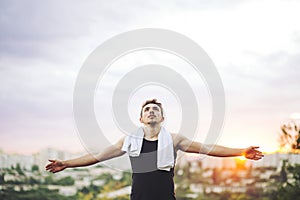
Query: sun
{"type": "Point", "coordinates": [241, 158]}
{"type": "Point", "coordinates": [240, 162]}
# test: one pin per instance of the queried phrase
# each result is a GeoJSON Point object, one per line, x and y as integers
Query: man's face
{"type": "Point", "coordinates": [151, 114]}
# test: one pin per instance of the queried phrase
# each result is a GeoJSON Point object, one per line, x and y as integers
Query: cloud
{"type": "Point", "coordinates": [35, 29]}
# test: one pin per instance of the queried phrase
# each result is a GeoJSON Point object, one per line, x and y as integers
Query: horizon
{"type": "Point", "coordinates": [37, 151]}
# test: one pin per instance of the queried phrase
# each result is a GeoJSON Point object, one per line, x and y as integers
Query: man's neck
{"type": "Point", "coordinates": [151, 131]}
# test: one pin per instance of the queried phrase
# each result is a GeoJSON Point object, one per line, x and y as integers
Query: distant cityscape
{"type": "Point", "coordinates": [41, 158]}
{"type": "Point", "coordinates": [195, 175]}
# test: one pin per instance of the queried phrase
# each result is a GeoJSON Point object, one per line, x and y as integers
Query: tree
{"type": "Point", "coordinates": [2, 178]}
{"type": "Point", "coordinates": [35, 194]}
{"type": "Point", "coordinates": [19, 170]}
{"type": "Point", "coordinates": [288, 188]}
{"type": "Point", "coordinates": [35, 168]}
{"type": "Point", "coordinates": [66, 181]}
{"type": "Point", "coordinates": [290, 137]}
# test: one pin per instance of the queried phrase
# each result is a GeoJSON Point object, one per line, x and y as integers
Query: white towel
{"type": "Point", "coordinates": [165, 150]}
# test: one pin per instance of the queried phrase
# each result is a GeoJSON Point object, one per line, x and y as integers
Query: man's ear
{"type": "Point", "coordinates": [162, 119]}
{"type": "Point", "coordinates": [141, 120]}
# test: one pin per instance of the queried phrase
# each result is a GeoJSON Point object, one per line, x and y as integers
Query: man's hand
{"type": "Point", "coordinates": [252, 153]}
{"type": "Point", "coordinates": [55, 166]}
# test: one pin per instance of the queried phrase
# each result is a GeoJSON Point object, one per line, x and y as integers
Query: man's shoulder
{"type": "Point", "coordinates": [176, 137]}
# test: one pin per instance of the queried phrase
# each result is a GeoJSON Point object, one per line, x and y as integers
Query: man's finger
{"type": "Point", "coordinates": [48, 167]}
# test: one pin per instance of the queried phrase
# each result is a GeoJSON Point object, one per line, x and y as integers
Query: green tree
{"type": "Point", "coordinates": [126, 178]}
{"type": "Point", "coordinates": [288, 188]}
{"type": "Point", "coordinates": [35, 168]}
{"type": "Point", "coordinates": [2, 178]}
{"type": "Point", "coordinates": [36, 194]}
{"type": "Point", "coordinates": [49, 180]}
{"type": "Point", "coordinates": [66, 181]}
{"type": "Point", "coordinates": [19, 170]}
{"type": "Point", "coordinates": [32, 181]}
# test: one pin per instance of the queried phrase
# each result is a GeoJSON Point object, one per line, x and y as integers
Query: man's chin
{"type": "Point", "coordinates": [152, 123]}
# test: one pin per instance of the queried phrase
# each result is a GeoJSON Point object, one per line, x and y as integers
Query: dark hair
{"type": "Point", "coordinates": [153, 101]}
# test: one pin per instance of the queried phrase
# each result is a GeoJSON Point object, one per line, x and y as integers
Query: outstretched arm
{"type": "Point", "coordinates": [189, 146]}
{"type": "Point", "coordinates": [86, 160]}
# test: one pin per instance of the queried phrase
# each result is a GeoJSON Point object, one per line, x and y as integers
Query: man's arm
{"type": "Point", "coordinates": [86, 160]}
{"type": "Point", "coordinates": [189, 146]}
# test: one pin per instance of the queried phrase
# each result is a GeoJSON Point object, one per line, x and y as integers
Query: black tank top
{"type": "Point", "coordinates": [148, 182]}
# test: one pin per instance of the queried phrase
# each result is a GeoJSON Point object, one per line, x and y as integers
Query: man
{"type": "Point", "coordinates": [152, 152]}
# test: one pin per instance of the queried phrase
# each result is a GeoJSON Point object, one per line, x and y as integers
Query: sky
{"type": "Point", "coordinates": [255, 46]}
